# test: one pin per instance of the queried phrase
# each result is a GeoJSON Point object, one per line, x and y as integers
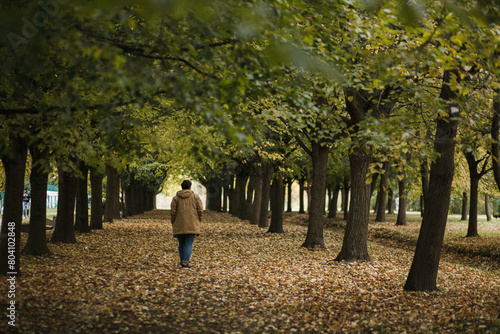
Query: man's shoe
{"type": "Point", "coordinates": [185, 266]}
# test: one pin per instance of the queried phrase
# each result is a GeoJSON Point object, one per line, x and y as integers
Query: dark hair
{"type": "Point", "coordinates": [186, 184]}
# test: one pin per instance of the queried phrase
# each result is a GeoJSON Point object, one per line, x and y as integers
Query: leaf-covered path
{"type": "Point", "coordinates": [125, 279]}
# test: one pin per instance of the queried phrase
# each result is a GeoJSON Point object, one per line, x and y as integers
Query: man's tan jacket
{"type": "Point", "coordinates": [186, 213]}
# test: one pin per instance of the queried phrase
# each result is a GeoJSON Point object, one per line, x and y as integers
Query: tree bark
{"type": "Point", "coordinates": [233, 197]}
{"type": "Point", "coordinates": [257, 201]}
{"type": "Point", "coordinates": [354, 246]}
{"type": "Point", "coordinates": [345, 198]}
{"type": "Point", "coordinates": [390, 201]}
{"type": "Point", "coordinates": [301, 195]}
{"type": "Point", "coordinates": [14, 167]}
{"type": "Point", "coordinates": [487, 207]}
{"type": "Point", "coordinates": [240, 192]}
{"type": "Point", "coordinates": [37, 238]}
{"type": "Point", "coordinates": [277, 206]}
{"type": "Point", "coordinates": [360, 103]}
{"type": "Point", "coordinates": [475, 177]}
{"type": "Point", "coordinates": [150, 198]}
{"type": "Point", "coordinates": [373, 185]}
{"type": "Point", "coordinates": [495, 143]}
{"type": "Point", "coordinates": [96, 178]}
{"type": "Point", "coordinates": [334, 198]}
{"type": "Point", "coordinates": [266, 188]}
{"type": "Point", "coordinates": [214, 195]}
{"type": "Point", "coordinates": [382, 198]}
{"type": "Point", "coordinates": [314, 237]}
{"type": "Point", "coordinates": [135, 197]}
{"type": "Point", "coordinates": [308, 189]}
{"type": "Point", "coordinates": [472, 228]}
{"type": "Point", "coordinates": [377, 200]}
{"type": "Point", "coordinates": [465, 203]}
{"type": "Point", "coordinates": [122, 199]}
{"type": "Point", "coordinates": [289, 184]}
{"type": "Point", "coordinates": [424, 268]}
{"type": "Point", "coordinates": [112, 208]}
{"type": "Point", "coordinates": [401, 219]}
{"type": "Point", "coordinates": [424, 176]}
{"type": "Point", "coordinates": [227, 195]}
{"type": "Point", "coordinates": [64, 230]}
{"type": "Point", "coordinates": [250, 196]}
{"type": "Point", "coordinates": [82, 201]}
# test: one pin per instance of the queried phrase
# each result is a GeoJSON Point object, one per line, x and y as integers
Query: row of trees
{"type": "Point", "coordinates": [223, 89]}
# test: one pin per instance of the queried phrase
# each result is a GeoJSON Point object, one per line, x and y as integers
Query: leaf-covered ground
{"type": "Point", "coordinates": [125, 279]}
{"type": "Point", "coordinates": [482, 251]}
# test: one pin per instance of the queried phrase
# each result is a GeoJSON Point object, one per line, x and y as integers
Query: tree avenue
{"type": "Point", "coordinates": [241, 97]}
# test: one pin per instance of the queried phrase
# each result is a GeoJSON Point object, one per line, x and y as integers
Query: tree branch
{"type": "Point", "coordinates": [140, 52]}
{"type": "Point", "coordinates": [34, 111]}
{"type": "Point", "coordinates": [14, 111]}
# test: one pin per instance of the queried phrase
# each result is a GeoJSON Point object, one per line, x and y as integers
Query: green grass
{"type": "Point", "coordinates": [485, 248]}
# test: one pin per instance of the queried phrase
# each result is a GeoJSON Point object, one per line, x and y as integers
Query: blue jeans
{"type": "Point", "coordinates": [185, 246]}
{"type": "Point", "coordinates": [26, 209]}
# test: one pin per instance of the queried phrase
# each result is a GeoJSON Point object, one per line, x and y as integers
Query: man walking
{"type": "Point", "coordinates": [186, 215]}
{"type": "Point", "coordinates": [26, 203]}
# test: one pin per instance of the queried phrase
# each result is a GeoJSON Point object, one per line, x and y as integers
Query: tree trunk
{"type": "Point", "coordinates": [277, 206]}
{"type": "Point", "coordinates": [308, 190]}
{"type": "Point", "coordinates": [345, 198]}
{"type": "Point", "coordinates": [424, 176]}
{"type": "Point", "coordinates": [373, 185]}
{"type": "Point", "coordinates": [390, 201]}
{"type": "Point", "coordinates": [64, 230]}
{"type": "Point", "coordinates": [82, 201]}
{"type": "Point", "coordinates": [314, 237]}
{"type": "Point", "coordinates": [289, 184]}
{"type": "Point", "coordinates": [495, 143]}
{"type": "Point", "coordinates": [301, 195]}
{"type": "Point", "coordinates": [37, 238]}
{"type": "Point", "coordinates": [329, 195]}
{"type": "Point", "coordinates": [424, 268]}
{"type": "Point", "coordinates": [14, 167]}
{"type": "Point", "coordinates": [377, 200]}
{"type": "Point", "coordinates": [233, 201]}
{"type": "Point", "coordinates": [112, 208]}
{"type": "Point", "coordinates": [214, 195]}
{"type": "Point", "coordinates": [382, 199]}
{"type": "Point", "coordinates": [487, 207]}
{"type": "Point", "coordinates": [150, 199]}
{"type": "Point", "coordinates": [139, 197]}
{"type": "Point", "coordinates": [250, 196]}
{"type": "Point", "coordinates": [127, 207]}
{"type": "Point", "coordinates": [421, 200]}
{"type": "Point", "coordinates": [122, 200]}
{"type": "Point", "coordinates": [257, 201]}
{"type": "Point", "coordinates": [134, 198]}
{"type": "Point", "coordinates": [96, 178]}
{"type": "Point", "coordinates": [241, 185]}
{"type": "Point", "coordinates": [465, 203]}
{"type": "Point", "coordinates": [266, 187]}
{"type": "Point", "coordinates": [401, 219]}
{"type": "Point", "coordinates": [475, 177]}
{"type": "Point", "coordinates": [472, 229]}
{"type": "Point", "coordinates": [226, 196]}
{"type": "Point", "coordinates": [332, 204]}
{"type": "Point", "coordinates": [354, 246]}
